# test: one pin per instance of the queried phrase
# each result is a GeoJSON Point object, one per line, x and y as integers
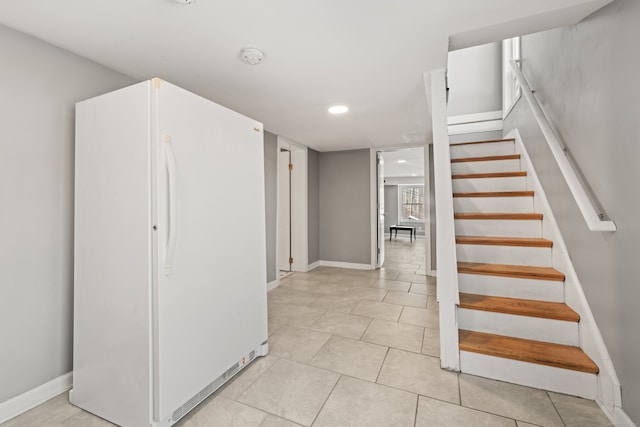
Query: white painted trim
{"type": "Point", "coordinates": [373, 208]}
{"type": "Point", "coordinates": [313, 266]}
{"type": "Point", "coordinates": [272, 285]}
{"type": "Point", "coordinates": [299, 208]}
{"type": "Point", "coordinates": [34, 397]}
{"type": "Point", "coordinates": [618, 418]}
{"type": "Point", "coordinates": [448, 298]}
{"type": "Point", "coordinates": [350, 265]}
{"type": "Point", "coordinates": [487, 126]}
{"type": "Point", "coordinates": [433, 273]}
{"type": "Point", "coordinates": [474, 118]}
{"type": "Point", "coordinates": [609, 394]}
{"type": "Point", "coordinates": [588, 210]}
{"type": "Point", "coordinates": [427, 211]}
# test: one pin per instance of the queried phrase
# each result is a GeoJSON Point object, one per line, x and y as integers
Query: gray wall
{"type": "Point", "coordinates": [587, 77]}
{"type": "Point", "coordinates": [390, 206]}
{"type": "Point", "coordinates": [344, 206]}
{"type": "Point", "coordinates": [313, 201]}
{"type": "Point", "coordinates": [40, 85]}
{"type": "Point", "coordinates": [271, 201]}
{"type": "Point", "coordinates": [475, 80]}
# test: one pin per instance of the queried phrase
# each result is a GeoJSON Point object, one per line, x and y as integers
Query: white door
{"type": "Point", "coordinates": [380, 192]}
{"type": "Point", "coordinates": [284, 211]}
{"type": "Point", "coordinates": [210, 275]}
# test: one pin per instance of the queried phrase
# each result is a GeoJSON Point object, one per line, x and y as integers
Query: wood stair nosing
{"type": "Point", "coordinates": [508, 270]}
{"type": "Point", "coordinates": [498, 215]}
{"type": "Point", "coordinates": [519, 307]}
{"type": "Point", "coordinates": [486, 158]}
{"type": "Point", "coordinates": [533, 242]}
{"type": "Point", "coordinates": [514, 174]}
{"type": "Point", "coordinates": [456, 144]}
{"type": "Point", "coordinates": [524, 350]}
{"type": "Point", "coordinates": [495, 194]}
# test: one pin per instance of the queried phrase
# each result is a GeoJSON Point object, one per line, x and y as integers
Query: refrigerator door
{"type": "Point", "coordinates": [209, 272]}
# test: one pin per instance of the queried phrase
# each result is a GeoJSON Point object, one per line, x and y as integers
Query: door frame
{"type": "Point", "coordinates": [299, 206]}
{"type": "Point", "coordinates": [373, 177]}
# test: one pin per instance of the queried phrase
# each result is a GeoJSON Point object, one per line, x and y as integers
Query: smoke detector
{"type": "Point", "coordinates": [252, 56]}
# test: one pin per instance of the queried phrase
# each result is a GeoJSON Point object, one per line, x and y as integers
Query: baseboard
{"type": "Point", "coordinates": [34, 397]}
{"type": "Point", "coordinates": [351, 265]}
{"type": "Point", "coordinates": [487, 126]}
{"type": "Point", "coordinates": [273, 285]}
{"type": "Point", "coordinates": [474, 118]}
{"type": "Point", "coordinates": [313, 266]}
{"type": "Point", "coordinates": [618, 418]}
{"type": "Point", "coordinates": [472, 123]}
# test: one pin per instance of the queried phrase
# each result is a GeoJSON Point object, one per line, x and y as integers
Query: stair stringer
{"type": "Point", "coordinates": [608, 394]}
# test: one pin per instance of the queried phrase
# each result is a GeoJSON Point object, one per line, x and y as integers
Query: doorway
{"type": "Point", "coordinates": [292, 240]}
{"type": "Point", "coordinates": [284, 211]}
{"type": "Point", "coordinates": [401, 182]}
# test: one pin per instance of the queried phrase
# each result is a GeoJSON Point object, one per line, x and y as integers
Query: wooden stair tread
{"type": "Point", "coordinates": [507, 270]}
{"type": "Point", "coordinates": [495, 194]}
{"type": "Point", "coordinates": [498, 215]}
{"type": "Point", "coordinates": [520, 307]}
{"type": "Point", "coordinates": [490, 175]}
{"type": "Point", "coordinates": [486, 158]}
{"type": "Point", "coordinates": [539, 352]}
{"type": "Point", "coordinates": [483, 142]}
{"type": "Point", "coordinates": [534, 242]}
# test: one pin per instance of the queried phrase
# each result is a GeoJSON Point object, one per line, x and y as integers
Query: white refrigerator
{"type": "Point", "coordinates": [170, 274]}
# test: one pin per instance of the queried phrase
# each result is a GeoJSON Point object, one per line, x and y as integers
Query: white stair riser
{"type": "Point", "coordinates": [482, 150]}
{"type": "Point", "coordinates": [531, 328]}
{"type": "Point", "coordinates": [530, 374]}
{"type": "Point", "coordinates": [510, 287]}
{"type": "Point", "coordinates": [493, 204]}
{"type": "Point", "coordinates": [470, 185]}
{"type": "Point", "coordinates": [515, 255]}
{"type": "Point", "coordinates": [498, 227]}
{"type": "Point", "coordinates": [485, 167]}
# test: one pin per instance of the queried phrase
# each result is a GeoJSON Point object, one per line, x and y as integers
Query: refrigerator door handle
{"type": "Point", "coordinates": [170, 163]}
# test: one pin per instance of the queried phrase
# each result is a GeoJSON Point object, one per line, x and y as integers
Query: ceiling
{"type": "Point", "coordinates": [408, 162]}
{"type": "Point", "coordinates": [367, 54]}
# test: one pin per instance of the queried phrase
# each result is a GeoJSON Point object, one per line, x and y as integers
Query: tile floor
{"type": "Point", "coordinates": [357, 348]}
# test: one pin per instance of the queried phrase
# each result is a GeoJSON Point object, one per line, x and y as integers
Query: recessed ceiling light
{"type": "Point", "coordinates": [338, 109]}
{"type": "Point", "coordinates": [184, 1]}
{"type": "Point", "coordinates": [252, 56]}
{"type": "Point", "coordinates": [402, 161]}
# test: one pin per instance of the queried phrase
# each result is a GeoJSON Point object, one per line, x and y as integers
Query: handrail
{"type": "Point", "coordinates": [447, 269]}
{"type": "Point", "coordinates": [591, 216]}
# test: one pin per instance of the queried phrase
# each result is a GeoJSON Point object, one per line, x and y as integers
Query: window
{"type": "Point", "coordinates": [510, 88]}
{"type": "Point", "coordinates": [412, 203]}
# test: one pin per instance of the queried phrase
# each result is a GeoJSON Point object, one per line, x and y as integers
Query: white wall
{"type": "Point", "coordinates": [39, 84]}
{"type": "Point", "coordinates": [474, 77]}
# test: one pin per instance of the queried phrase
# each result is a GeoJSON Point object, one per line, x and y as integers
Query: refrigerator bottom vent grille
{"type": "Point", "coordinates": [205, 392]}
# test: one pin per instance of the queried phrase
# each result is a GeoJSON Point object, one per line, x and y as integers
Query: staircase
{"type": "Point", "coordinates": [513, 322]}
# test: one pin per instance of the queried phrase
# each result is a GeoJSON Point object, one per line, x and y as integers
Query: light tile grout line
{"type": "Point", "coordinates": [382, 365]}
{"type": "Point", "coordinates": [325, 400]}
{"type": "Point", "coordinates": [546, 392]}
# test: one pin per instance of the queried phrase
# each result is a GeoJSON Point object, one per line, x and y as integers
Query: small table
{"type": "Point", "coordinates": [409, 228]}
